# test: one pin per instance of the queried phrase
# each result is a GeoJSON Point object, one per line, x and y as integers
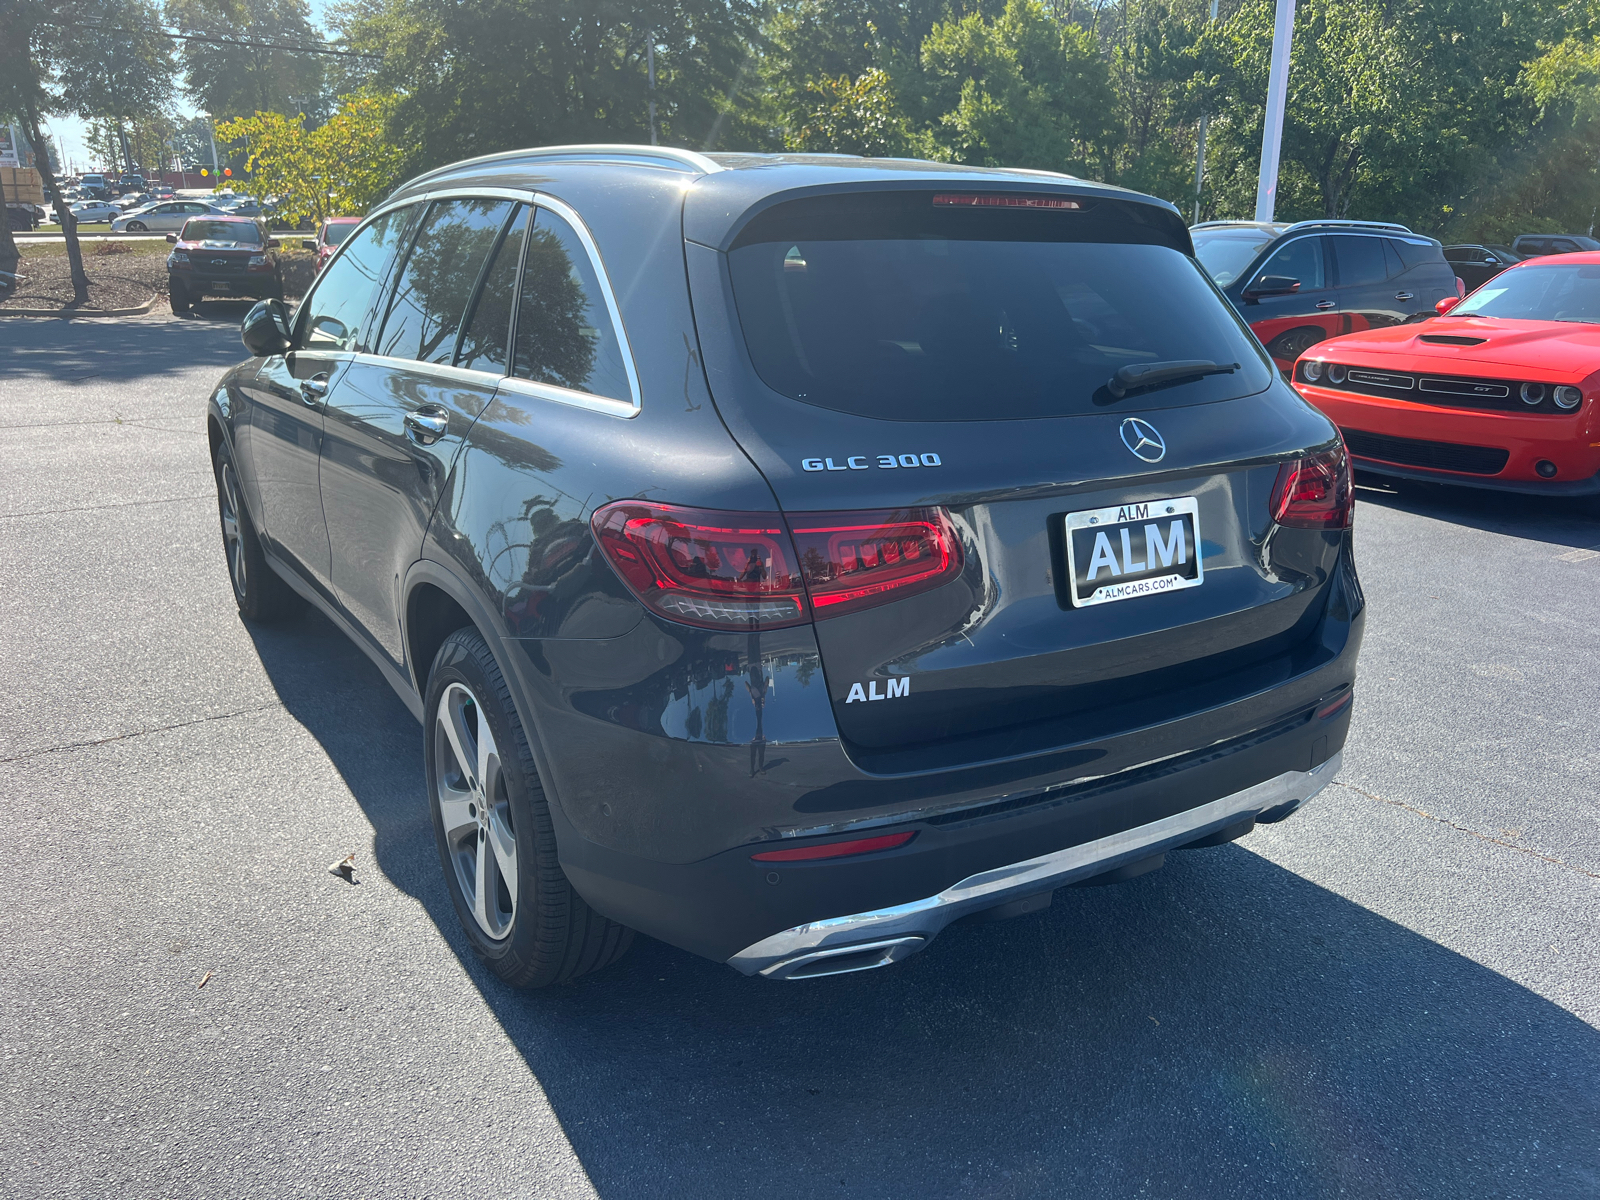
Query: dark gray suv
{"type": "Point", "coordinates": [788, 556]}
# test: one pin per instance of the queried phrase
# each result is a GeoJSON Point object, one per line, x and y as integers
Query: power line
{"type": "Point", "coordinates": [214, 40]}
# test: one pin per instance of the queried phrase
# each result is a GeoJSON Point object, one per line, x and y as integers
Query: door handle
{"type": "Point", "coordinates": [314, 389]}
{"type": "Point", "coordinates": [427, 424]}
{"type": "Point", "coordinates": [1403, 296]}
{"type": "Point", "coordinates": [1324, 303]}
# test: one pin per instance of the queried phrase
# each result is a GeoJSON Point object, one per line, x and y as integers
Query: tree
{"type": "Point", "coordinates": [237, 80]}
{"type": "Point", "coordinates": [476, 76]}
{"type": "Point", "coordinates": [98, 58]}
{"type": "Point", "coordinates": [342, 167]}
{"type": "Point", "coordinates": [853, 116]}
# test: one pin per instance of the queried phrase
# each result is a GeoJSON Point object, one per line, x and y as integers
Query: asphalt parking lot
{"type": "Point", "coordinates": [1394, 994]}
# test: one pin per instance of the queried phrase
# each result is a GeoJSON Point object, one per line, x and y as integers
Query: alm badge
{"type": "Point", "coordinates": [896, 687]}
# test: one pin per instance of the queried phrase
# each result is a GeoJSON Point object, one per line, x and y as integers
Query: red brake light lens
{"type": "Point", "coordinates": [989, 200]}
{"type": "Point", "coordinates": [1315, 492]}
{"type": "Point", "coordinates": [886, 841]}
{"type": "Point", "coordinates": [733, 570]}
{"type": "Point", "coordinates": [854, 560]}
{"type": "Point", "coordinates": [717, 570]}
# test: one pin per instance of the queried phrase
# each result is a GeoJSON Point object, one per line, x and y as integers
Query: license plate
{"type": "Point", "coordinates": [1132, 550]}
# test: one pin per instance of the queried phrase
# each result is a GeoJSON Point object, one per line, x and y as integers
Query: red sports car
{"type": "Point", "coordinates": [1497, 392]}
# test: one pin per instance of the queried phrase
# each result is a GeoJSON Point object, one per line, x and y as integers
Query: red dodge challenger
{"type": "Point", "coordinates": [1497, 392]}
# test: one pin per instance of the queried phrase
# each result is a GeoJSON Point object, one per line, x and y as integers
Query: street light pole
{"type": "Point", "coordinates": [1200, 148]}
{"type": "Point", "coordinates": [1277, 96]}
{"type": "Point", "coordinates": [650, 56]}
{"type": "Point", "coordinates": [211, 129]}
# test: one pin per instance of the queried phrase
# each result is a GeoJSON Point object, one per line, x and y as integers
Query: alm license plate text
{"type": "Point", "coordinates": [1133, 550]}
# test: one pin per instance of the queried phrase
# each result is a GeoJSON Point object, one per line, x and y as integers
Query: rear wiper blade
{"type": "Point", "coordinates": [1157, 374]}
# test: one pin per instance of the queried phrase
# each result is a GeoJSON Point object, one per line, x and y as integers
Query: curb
{"type": "Point", "coordinates": [140, 311]}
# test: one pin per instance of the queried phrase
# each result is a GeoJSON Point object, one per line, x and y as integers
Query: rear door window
{"type": "Point", "coordinates": [439, 277]}
{"type": "Point", "coordinates": [565, 335]}
{"type": "Point", "coordinates": [1360, 260]}
{"type": "Point", "coordinates": [488, 326]}
{"type": "Point", "coordinates": [333, 317]}
{"type": "Point", "coordinates": [889, 308]}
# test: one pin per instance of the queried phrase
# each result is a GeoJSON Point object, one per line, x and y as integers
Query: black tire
{"type": "Point", "coordinates": [136, 227]}
{"type": "Point", "coordinates": [549, 934]}
{"type": "Point", "coordinates": [257, 589]}
{"type": "Point", "coordinates": [179, 297]}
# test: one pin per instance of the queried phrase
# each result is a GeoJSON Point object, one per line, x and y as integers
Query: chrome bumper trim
{"type": "Point", "coordinates": [776, 956]}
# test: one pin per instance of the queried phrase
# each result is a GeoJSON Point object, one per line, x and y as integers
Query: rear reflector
{"type": "Point", "coordinates": [980, 200]}
{"type": "Point", "coordinates": [887, 841]}
{"type": "Point", "coordinates": [733, 570]}
{"type": "Point", "coordinates": [1333, 706]}
{"type": "Point", "coordinates": [1315, 492]}
{"type": "Point", "coordinates": [854, 560]}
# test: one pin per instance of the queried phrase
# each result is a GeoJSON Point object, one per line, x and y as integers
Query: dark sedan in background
{"type": "Point", "coordinates": [1475, 264]}
{"type": "Point", "coordinates": [787, 556]}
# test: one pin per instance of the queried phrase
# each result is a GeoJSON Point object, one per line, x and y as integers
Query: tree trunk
{"type": "Point", "coordinates": [10, 256]}
{"type": "Point", "coordinates": [69, 223]}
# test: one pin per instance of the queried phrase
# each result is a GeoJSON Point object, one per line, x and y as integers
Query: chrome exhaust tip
{"type": "Point", "coordinates": [844, 960]}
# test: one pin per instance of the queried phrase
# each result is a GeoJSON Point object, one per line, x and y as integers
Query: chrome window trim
{"type": "Point", "coordinates": [444, 371]}
{"type": "Point", "coordinates": [545, 391]}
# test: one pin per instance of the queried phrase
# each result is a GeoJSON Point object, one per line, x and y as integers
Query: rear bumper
{"type": "Point", "coordinates": [1527, 487]}
{"type": "Point", "coordinates": [864, 940]}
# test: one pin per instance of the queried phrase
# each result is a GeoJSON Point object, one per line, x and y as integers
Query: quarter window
{"type": "Point", "coordinates": [1360, 260]}
{"type": "Point", "coordinates": [440, 274]}
{"type": "Point", "coordinates": [483, 345]}
{"type": "Point", "coordinates": [334, 315]}
{"type": "Point", "coordinates": [1301, 259]}
{"type": "Point", "coordinates": [565, 335]}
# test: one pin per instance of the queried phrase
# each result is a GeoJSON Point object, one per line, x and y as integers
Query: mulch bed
{"type": "Point", "coordinates": [119, 277]}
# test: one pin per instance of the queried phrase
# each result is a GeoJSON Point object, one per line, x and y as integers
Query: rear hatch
{"type": "Point", "coordinates": [927, 377]}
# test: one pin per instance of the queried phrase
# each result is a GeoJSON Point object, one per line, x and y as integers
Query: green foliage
{"type": "Point", "coordinates": [234, 80]}
{"type": "Point", "coordinates": [340, 168]}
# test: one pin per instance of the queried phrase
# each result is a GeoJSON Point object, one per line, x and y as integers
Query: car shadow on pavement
{"type": "Point", "coordinates": [1559, 520]}
{"type": "Point", "coordinates": [1219, 1027]}
{"type": "Point", "coordinates": [110, 349]}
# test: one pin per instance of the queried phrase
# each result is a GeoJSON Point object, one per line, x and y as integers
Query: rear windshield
{"type": "Point", "coordinates": [222, 231]}
{"type": "Point", "coordinates": [1557, 292]}
{"type": "Point", "coordinates": [915, 314]}
{"type": "Point", "coordinates": [337, 233]}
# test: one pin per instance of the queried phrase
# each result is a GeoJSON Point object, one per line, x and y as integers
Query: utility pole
{"type": "Point", "coordinates": [1277, 96]}
{"type": "Point", "coordinates": [1200, 149]}
{"type": "Point", "coordinates": [650, 57]}
{"type": "Point", "coordinates": [211, 129]}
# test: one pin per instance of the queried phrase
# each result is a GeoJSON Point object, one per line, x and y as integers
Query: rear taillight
{"type": "Point", "coordinates": [732, 570]}
{"type": "Point", "coordinates": [854, 560]}
{"type": "Point", "coordinates": [887, 841]}
{"type": "Point", "coordinates": [1314, 492]}
{"type": "Point", "coordinates": [718, 570]}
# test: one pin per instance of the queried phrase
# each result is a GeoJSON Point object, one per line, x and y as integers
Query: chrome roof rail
{"type": "Point", "coordinates": [1326, 222]}
{"type": "Point", "coordinates": [657, 155]}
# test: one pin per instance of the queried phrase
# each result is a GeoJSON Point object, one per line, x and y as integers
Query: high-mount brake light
{"type": "Point", "coordinates": [717, 570]}
{"type": "Point", "coordinates": [854, 560]}
{"type": "Point", "coordinates": [988, 200]}
{"type": "Point", "coordinates": [737, 570]}
{"type": "Point", "coordinates": [1316, 492]}
{"type": "Point", "coordinates": [887, 841]}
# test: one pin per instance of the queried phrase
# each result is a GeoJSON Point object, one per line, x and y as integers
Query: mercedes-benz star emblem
{"type": "Point", "coordinates": [1142, 440]}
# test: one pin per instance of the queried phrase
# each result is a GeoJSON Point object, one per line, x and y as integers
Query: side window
{"type": "Point", "coordinates": [192, 208]}
{"type": "Point", "coordinates": [565, 335]}
{"type": "Point", "coordinates": [438, 279]}
{"type": "Point", "coordinates": [1360, 260]}
{"type": "Point", "coordinates": [332, 316]}
{"type": "Point", "coordinates": [1415, 254]}
{"type": "Point", "coordinates": [1391, 259]}
{"type": "Point", "coordinates": [1562, 247]}
{"type": "Point", "coordinates": [483, 344]}
{"type": "Point", "coordinates": [1301, 259]}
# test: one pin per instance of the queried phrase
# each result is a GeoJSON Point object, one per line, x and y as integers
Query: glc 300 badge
{"type": "Point", "coordinates": [1142, 440]}
{"type": "Point", "coordinates": [863, 462]}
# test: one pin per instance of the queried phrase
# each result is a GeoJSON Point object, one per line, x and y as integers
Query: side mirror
{"type": "Point", "coordinates": [308, 244]}
{"type": "Point", "coordinates": [272, 243]}
{"type": "Point", "coordinates": [172, 239]}
{"type": "Point", "coordinates": [1446, 304]}
{"type": "Point", "coordinates": [266, 329]}
{"type": "Point", "coordinates": [1272, 285]}
{"type": "Point", "coordinates": [1491, 260]}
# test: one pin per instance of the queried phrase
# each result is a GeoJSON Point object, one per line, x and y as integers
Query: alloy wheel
{"type": "Point", "coordinates": [233, 542]}
{"type": "Point", "coordinates": [475, 810]}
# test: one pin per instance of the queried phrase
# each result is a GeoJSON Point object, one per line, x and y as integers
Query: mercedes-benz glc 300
{"type": "Point", "coordinates": [788, 556]}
